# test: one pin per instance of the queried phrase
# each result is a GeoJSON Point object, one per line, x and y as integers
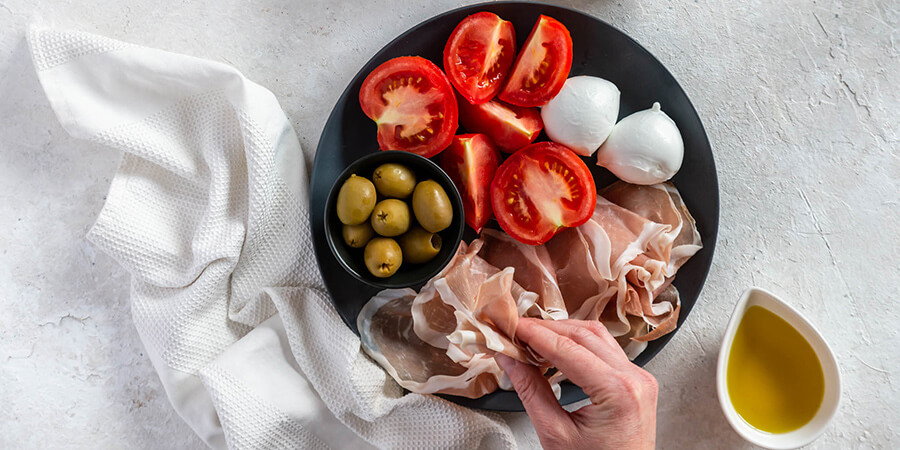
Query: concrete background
{"type": "Point", "coordinates": [799, 97]}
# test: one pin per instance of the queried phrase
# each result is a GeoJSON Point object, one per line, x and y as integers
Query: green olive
{"type": "Point", "coordinates": [355, 200]}
{"type": "Point", "coordinates": [383, 257]}
{"type": "Point", "coordinates": [419, 246]}
{"type": "Point", "coordinates": [357, 236]}
{"type": "Point", "coordinates": [390, 217]}
{"type": "Point", "coordinates": [394, 180]}
{"type": "Point", "coordinates": [432, 206]}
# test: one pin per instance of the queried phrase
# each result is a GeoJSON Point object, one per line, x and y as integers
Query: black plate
{"type": "Point", "coordinates": [599, 50]}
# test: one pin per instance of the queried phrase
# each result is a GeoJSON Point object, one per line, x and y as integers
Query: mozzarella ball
{"type": "Point", "coordinates": [582, 115]}
{"type": "Point", "coordinates": [643, 148]}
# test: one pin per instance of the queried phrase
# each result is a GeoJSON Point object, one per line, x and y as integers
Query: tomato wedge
{"type": "Point", "coordinates": [478, 55]}
{"type": "Point", "coordinates": [471, 161]}
{"type": "Point", "coordinates": [510, 127]}
{"type": "Point", "coordinates": [540, 190]}
{"type": "Point", "coordinates": [413, 104]}
{"type": "Point", "coordinates": [542, 66]}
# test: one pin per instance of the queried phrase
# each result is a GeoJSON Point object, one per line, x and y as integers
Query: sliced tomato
{"type": "Point", "coordinates": [542, 66]}
{"type": "Point", "coordinates": [413, 104]}
{"type": "Point", "coordinates": [478, 55]}
{"type": "Point", "coordinates": [471, 161]}
{"type": "Point", "coordinates": [510, 127]}
{"type": "Point", "coordinates": [540, 190]}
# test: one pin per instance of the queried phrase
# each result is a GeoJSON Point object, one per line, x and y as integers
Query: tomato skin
{"type": "Point", "coordinates": [413, 104]}
{"type": "Point", "coordinates": [530, 82]}
{"type": "Point", "coordinates": [510, 127]}
{"type": "Point", "coordinates": [540, 190]}
{"type": "Point", "coordinates": [471, 161]}
{"type": "Point", "coordinates": [479, 41]}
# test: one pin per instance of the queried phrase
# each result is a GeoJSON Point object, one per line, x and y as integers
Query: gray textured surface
{"type": "Point", "coordinates": [800, 100]}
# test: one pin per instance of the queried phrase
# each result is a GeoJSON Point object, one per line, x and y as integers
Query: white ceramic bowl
{"type": "Point", "coordinates": [809, 432]}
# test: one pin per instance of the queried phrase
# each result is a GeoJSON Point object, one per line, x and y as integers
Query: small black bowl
{"type": "Point", "coordinates": [409, 275]}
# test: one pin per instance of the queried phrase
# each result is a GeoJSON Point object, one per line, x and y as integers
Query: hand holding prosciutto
{"type": "Point", "coordinates": [623, 396]}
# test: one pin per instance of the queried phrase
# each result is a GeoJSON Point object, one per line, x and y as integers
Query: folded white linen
{"type": "Point", "coordinates": [208, 212]}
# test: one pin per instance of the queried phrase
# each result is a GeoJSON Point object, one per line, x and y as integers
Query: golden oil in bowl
{"type": "Point", "coordinates": [775, 380]}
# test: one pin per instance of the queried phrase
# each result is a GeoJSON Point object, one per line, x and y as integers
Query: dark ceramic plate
{"type": "Point", "coordinates": [599, 50]}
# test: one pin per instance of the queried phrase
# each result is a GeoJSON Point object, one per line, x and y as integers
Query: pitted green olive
{"type": "Point", "coordinates": [355, 200]}
{"type": "Point", "coordinates": [432, 206]}
{"type": "Point", "coordinates": [419, 246]}
{"type": "Point", "coordinates": [394, 180]}
{"type": "Point", "coordinates": [357, 236]}
{"type": "Point", "coordinates": [383, 257]}
{"type": "Point", "coordinates": [390, 217]}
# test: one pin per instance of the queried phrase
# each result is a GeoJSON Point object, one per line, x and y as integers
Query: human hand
{"type": "Point", "coordinates": [622, 413]}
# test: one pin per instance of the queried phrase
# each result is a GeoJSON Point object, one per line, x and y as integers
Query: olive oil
{"type": "Point", "coordinates": [775, 379]}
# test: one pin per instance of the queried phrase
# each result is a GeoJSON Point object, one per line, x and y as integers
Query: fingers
{"type": "Point", "coordinates": [544, 410]}
{"type": "Point", "coordinates": [593, 336]}
{"type": "Point", "coordinates": [578, 363]}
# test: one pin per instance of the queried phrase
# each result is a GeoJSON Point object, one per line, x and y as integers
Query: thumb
{"type": "Point", "coordinates": [548, 417]}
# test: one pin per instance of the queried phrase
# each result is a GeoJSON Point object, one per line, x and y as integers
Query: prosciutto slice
{"type": "Point", "coordinates": [659, 235]}
{"type": "Point", "coordinates": [443, 338]}
{"type": "Point", "coordinates": [534, 272]}
{"type": "Point", "coordinates": [434, 317]}
{"type": "Point", "coordinates": [617, 268]}
{"type": "Point", "coordinates": [488, 326]}
{"type": "Point", "coordinates": [585, 289]}
{"type": "Point", "coordinates": [386, 333]}
{"type": "Point", "coordinates": [661, 203]}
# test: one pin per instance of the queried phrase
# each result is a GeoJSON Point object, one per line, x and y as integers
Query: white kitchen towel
{"type": "Point", "coordinates": [208, 212]}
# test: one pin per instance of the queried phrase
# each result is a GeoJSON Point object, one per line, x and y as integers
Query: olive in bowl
{"type": "Point", "coordinates": [392, 248]}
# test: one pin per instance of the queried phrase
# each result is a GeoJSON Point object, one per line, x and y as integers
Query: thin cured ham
{"type": "Point", "coordinates": [488, 325]}
{"type": "Point", "coordinates": [582, 285]}
{"type": "Point", "coordinates": [468, 291]}
{"type": "Point", "coordinates": [533, 271]}
{"type": "Point", "coordinates": [660, 203]}
{"type": "Point", "coordinates": [661, 236]}
{"type": "Point", "coordinates": [432, 341]}
{"type": "Point", "coordinates": [386, 334]}
{"type": "Point", "coordinates": [617, 268]}
{"type": "Point", "coordinates": [434, 317]}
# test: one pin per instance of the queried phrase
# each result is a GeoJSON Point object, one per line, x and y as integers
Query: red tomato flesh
{"type": "Point", "coordinates": [540, 190]}
{"type": "Point", "coordinates": [510, 127]}
{"type": "Point", "coordinates": [542, 66]}
{"type": "Point", "coordinates": [478, 55]}
{"type": "Point", "coordinates": [413, 104]}
{"type": "Point", "coordinates": [471, 161]}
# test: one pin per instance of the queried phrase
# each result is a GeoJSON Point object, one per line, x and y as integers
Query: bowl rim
{"type": "Point", "coordinates": [442, 178]}
{"type": "Point", "coordinates": [755, 296]}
